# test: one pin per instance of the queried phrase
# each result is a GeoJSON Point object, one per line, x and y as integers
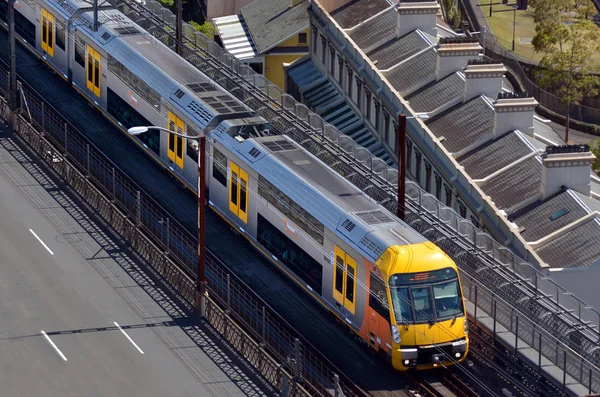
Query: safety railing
{"type": "Point", "coordinates": [531, 293]}
{"type": "Point", "coordinates": [281, 355]}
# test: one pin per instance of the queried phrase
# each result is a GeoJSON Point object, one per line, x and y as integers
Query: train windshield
{"type": "Point", "coordinates": [426, 297]}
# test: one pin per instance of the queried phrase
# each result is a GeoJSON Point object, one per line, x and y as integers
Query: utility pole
{"type": "Point", "coordinates": [201, 284]}
{"type": "Point", "coordinates": [401, 166]}
{"type": "Point", "coordinates": [179, 28]}
{"type": "Point", "coordinates": [95, 22]}
{"type": "Point", "coordinates": [12, 58]}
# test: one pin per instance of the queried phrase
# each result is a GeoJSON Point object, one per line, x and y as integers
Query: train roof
{"type": "Point", "coordinates": [165, 72]}
{"type": "Point", "coordinates": [327, 196]}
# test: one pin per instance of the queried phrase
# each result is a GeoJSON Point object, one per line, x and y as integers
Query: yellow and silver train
{"type": "Point", "coordinates": [399, 292]}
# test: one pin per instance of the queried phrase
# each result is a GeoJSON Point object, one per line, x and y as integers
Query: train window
{"type": "Point", "coordinates": [344, 288]}
{"type": "Point", "coordinates": [238, 194]}
{"type": "Point", "coordinates": [294, 257]}
{"type": "Point", "coordinates": [402, 306]}
{"type": "Point", "coordinates": [129, 117]}
{"type": "Point", "coordinates": [23, 26]}
{"type": "Point", "coordinates": [291, 209]}
{"type": "Point", "coordinates": [93, 70]}
{"type": "Point", "coordinates": [60, 36]}
{"type": "Point", "coordinates": [48, 32]}
{"type": "Point", "coordinates": [192, 149]}
{"type": "Point", "coordinates": [422, 303]}
{"type": "Point", "coordinates": [219, 170]}
{"type": "Point", "coordinates": [131, 80]}
{"type": "Point", "coordinates": [378, 297]}
{"type": "Point", "coordinates": [448, 303]}
{"type": "Point", "coordinates": [175, 143]}
{"type": "Point", "coordinates": [79, 50]}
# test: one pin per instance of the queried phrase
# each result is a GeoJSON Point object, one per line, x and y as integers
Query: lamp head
{"type": "Point", "coordinates": [137, 130]}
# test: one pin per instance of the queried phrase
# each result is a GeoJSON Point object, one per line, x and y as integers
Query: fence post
{"type": "Point", "coordinates": [516, 333]}
{"type": "Point", "coordinates": [66, 139]}
{"type": "Point", "coordinates": [88, 159]}
{"type": "Point", "coordinates": [564, 369]}
{"type": "Point", "coordinates": [228, 293]}
{"type": "Point", "coordinates": [296, 359]}
{"type": "Point", "coordinates": [264, 320]}
{"type": "Point", "coordinates": [139, 208]}
{"type": "Point", "coordinates": [114, 185]}
{"type": "Point", "coordinates": [43, 116]}
{"type": "Point", "coordinates": [494, 330]}
{"type": "Point", "coordinates": [168, 237]}
{"type": "Point", "coordinates": [336, 385]}
{"type": "Point", "coordinates": [475, 301]}
{"type": "Point", "coordinates": [285, 383]}
{"type": "Point", "coordinates": [540, 352]}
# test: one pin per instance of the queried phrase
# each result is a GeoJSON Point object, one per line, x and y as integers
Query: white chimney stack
{"type": "Point", "coordinates": [483, 77]}
{"type": "Point", "coordinates": [453, 54]}
{"type": "Point", "coordinates": [421, 14]}
{"type": "Point", "coordinates": [514, 112]}
{"type": "Point", "coordinates": [567, 166]}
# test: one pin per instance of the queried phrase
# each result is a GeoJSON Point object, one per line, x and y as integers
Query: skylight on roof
{"type": "Point", "coordinates": [559, 213]}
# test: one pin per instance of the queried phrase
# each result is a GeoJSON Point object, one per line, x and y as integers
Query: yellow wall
{"type": "Point", "coordinates": [274, 63]}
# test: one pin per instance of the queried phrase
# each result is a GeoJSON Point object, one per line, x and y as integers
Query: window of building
{"type": "Point", "coordinates": [448, 191]}
{"type": "Point", "coordinates": [462, 209]}
{"type": "Point", "coordinates": [438, 186]}
{"type": "Point", "coordinates": [238, 191]}
{"type": "Point", "coordinates": [332, 60]}
{"type": "Point", "coordinates": [358, 91]}
{"type": "Point", "coordinates": [349, 80]}
{"type": "Point", "coordinates": [315, 39]}
{"type": "Point", "coordinates": [60, 36]}
{"type": "Point", "coordinates": [368, 105]}
{"type": "Point", "coordinates": [129, 117]}
{"type": "Point", "coordinates": [418, 167]}
{"type": "Point", "coordinates": [290, 209]}
{"type": "Point", "coordinates": [323, 48]}
{"type": "Point", "coordinates": [341, 71]}
{"type": "Point", "coordinates": [302, 39]}
{"type": "Point", "coordinates": [93, 70]}
{"type": "Point", "coordinates": [257, 67]}
{"type": "Point", "coordinates": [47, 32]}
{"type": "Point", "coordinates": [294, 257]}
{"type": "Point", "coordinates": [409, 151]}
{"type": "Point", "coordinates": [344, 283]}
{"type": "Point", "coordinates": [219, 170]}
{"type": "Point", "coordinates": [135, 83]}
{"type": "Point", "coordinates": [378, 297]}
{"type": "Point", "coordinates": [377, 116]}
{"type": "Point", "coordinates": [427, 177]}
{"type": "Point", "coordinates": [386, 127]}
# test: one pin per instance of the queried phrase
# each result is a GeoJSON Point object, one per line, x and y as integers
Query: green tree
{"type": "Point", "coordinates": [595, 149]}
{"type": "Point", "coordinates": [567, 40]}
{"type": "Point", "coordinates": [206, 28]}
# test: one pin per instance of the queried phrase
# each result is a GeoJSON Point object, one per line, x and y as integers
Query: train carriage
{"type": "Point", "coordinates": [400, 293]}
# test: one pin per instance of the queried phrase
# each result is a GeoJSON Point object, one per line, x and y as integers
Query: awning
{"type": "Point", "coordinates": [235, 36]}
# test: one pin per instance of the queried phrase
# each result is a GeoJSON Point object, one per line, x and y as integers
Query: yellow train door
{"type": "Point", "coordinates": [48, 32]}
{"type": "Point", "coordinates": [92, 68]}
{"type": "Point", "coordinates": [238, 191]}
{"type": "Point", "coordinates": [175, 143]}
{"type": "Point", "coordinates": [344, 279]}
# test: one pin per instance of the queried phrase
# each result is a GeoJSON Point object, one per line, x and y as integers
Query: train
{"type": "Point", "coordinates": [397, 291]}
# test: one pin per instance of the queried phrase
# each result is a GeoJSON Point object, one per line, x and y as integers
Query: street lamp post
{"type": "Point", "coordinates": [12, 58]}
{"type": "Point", "coordinates": [201, 284]}
{"type": "Point", "coordinates": [514, 26]}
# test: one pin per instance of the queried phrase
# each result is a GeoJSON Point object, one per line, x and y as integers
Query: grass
{"type": "Point", "coordinates": [501, 23]}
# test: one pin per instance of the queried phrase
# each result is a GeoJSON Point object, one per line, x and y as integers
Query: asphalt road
{"type": "Point", "coordinates": [58, 275]}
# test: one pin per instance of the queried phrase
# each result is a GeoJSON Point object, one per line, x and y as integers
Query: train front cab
{"type": "Point", "coordinates": [427, 311]}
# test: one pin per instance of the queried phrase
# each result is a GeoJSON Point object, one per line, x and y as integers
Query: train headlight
{"type": "Point", "coordinates": [466, 326]}
{"type": "Point", "coordinates": [396, 334]}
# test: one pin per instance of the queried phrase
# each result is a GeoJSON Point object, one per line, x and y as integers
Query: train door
{"type": "Point", "coordinates": [238, 191]}
{"type": "Point", "coordinates": [92, 67]}
{"type": "Point", "coordinates": [175, 143]}
{"type": "Point", "coordinates": [48, 32]}
{"type": "Point", "coordinates": [344, 280]}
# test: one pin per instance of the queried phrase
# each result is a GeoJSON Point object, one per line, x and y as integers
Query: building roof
{"type": "Point", "coordinates": [235, 36]}
{"type": "Point", "coordinates": [370, 32]}
{"type": "Point", "coordinates": [437, 93]}
{"type": "Point", "coordinates": [414, 72]}
{"type": "Point", "coordinates": [516, 184]}
{"type": "Point", "coordinates": [406, 46]}
{"type": "Point", "coordinates": [547, 216]}
{"type": "Point", "coordinates": [272, 21]}
{"type": "Point", "coordinates": [573, 249]}
{"type": "Point", "coordinates": [353, 13]}
{"type": "Point", "coordinates": [463, 124]}
{"type": "Point", "coordinates": [495, 154]}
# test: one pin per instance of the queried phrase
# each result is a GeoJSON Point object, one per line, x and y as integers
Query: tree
{"type": "Point", "coordinates": [595, 149]}
{"type": "Point", "coordinates": [206, 28]}
{"type": "Point", "coordinates": [567, 39]}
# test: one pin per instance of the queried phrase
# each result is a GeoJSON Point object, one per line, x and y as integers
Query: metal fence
{"type": "Point", "coordinates": [496, 49]}
{"type": "Point", "coordinates": [529, 293]}
{"type": "Point", "coordinates": [282, 356]}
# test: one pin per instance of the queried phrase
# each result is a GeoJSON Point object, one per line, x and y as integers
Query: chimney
{"type": "Point", "coordinates": [483, 77]}
{"type": "Point", "coordinates": [453, 54]}
{"type": "Point", "coordinates": [514, 112]}
{"type": "Point", "coordinates": [417, 14]}
{"type": "Point", "coordinates": [567, 166]}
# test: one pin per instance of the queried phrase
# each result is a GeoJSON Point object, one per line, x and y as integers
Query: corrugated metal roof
{"type": "Point", "coordinates": [235, 36]}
